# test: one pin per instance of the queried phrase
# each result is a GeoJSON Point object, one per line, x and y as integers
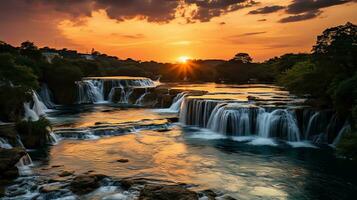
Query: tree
{"type": "Point", "coordinates": [242, 57]}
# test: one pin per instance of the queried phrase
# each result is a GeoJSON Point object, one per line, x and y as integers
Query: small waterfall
{"type": "Point", "coordinates": [280, 123]}
{"type": "Point", "coordinates": [38, 106]}
{"type": "Point", "coordinates": [29, 113]}
{"type": "Point", "coordinates": [177, 101]}
{"type": "Point", "coordinates": [24, 165]}
{"type": "Point", "coordinates": [5, 144]}
{"type": "Point", "coordinates": [139, 101]}
{"type": "Point", "coordinates": [102, 89]}
{"type": "Point", "coordinates": [312, 121]}
{"type": "Point", "coordinates": [46, 96]}
{"type": "Point", "coordinates": [237, 119]}
{"type": "Point", "coordinates": [344, 130]}
{"type": "Point", "coordinates": [124, 98]}
{"type": "Point", "coordinates": [52, 138]}
{"type": "Point", "coordinates": [90, 91]}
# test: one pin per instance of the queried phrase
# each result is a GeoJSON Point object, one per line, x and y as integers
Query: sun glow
{"type": "Point", "coordinates": [183, 59]}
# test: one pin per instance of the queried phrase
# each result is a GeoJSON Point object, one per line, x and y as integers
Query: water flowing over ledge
{"type": "Point", "coordinates": [289, 123]}
{"type": "Point", "coordinates": [104, 89]}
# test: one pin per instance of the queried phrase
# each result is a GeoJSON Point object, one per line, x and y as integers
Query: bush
{"type": "Point", "coordinates": [34, 134]}
{"type": "Point", "coordinates": [348, 146]}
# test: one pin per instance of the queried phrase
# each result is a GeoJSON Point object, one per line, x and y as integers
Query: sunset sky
{"type": "Point", "coordinates": [165, 30]}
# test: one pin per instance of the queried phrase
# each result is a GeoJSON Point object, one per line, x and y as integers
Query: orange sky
{"type": "Point", "coordinates": [219, 38]}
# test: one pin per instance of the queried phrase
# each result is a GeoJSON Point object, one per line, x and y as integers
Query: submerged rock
{"type": "Point", "coordinates": [65, 173]}
{"type": "Point", "coordinates": [166, 192]}
{"type": "Point", "coordinates": [86, 183]}
{"type": "Point", "coordinates": [123, 160]}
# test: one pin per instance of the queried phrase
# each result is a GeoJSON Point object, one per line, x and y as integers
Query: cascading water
{"type": "Point", "coordinates": [5, 144]}
{"type": "Point", "coordinates": [30, 114]}
{"type": "Point", "coordinates": [46, 96]}
{"type": "Point", "coordinates": [344, 130]}
{"type": "Point", "coordinates": [139, 101]}
{"type": "Point", "coordinates": [241, 119]}
{"type": "Point", "coordinates": [90, 91]}
{"type": "Point", "coordinates": [38, 109]}
{"type": "Point", "coordinates": [177, 101]}
{"type": "Point", "coordinates": [24, 165]}
{"type": "Point", "coordinates": [103, 89]}
{"type": "Point", "coordinates": [38, 106]}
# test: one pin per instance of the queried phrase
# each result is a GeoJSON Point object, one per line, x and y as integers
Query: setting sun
{"type": "Point", "coordinates": [183, 59]}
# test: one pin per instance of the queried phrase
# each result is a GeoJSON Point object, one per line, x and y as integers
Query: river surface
{"type": "Point", "coordinates": [242, 167]}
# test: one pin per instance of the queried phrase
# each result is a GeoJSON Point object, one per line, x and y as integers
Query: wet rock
{"type": "Point", "coordinates": [210, 194]}
{"type": "Point", "coordinates": [65, 173]}
{"type": "Point", "coordinates": [166, 192]}
{"type": "Point", "coordinates": [123, 160]}
{"type": "Point", "coordinates": [86, 183]}
{"type": "Point", "coordinates": [163, 130]}
{"type": "Point", "coordinates": [173, 119]}
{"type": "Point", "coordinates": [8, 160]}
{"type": "Point", "coordinates": [9, 133]}
{"type": "Point", "coordinates": [56, 166]}
{"type": "Point", "coordinates": [127, 183]}
{"type": "Point", "coordinates": [50, 188]}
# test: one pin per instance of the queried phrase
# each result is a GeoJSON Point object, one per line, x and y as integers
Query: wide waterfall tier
{"type": "Point", "coordinates": [246, 119]}
{"type": "Point", "coordinates": [105, 89]}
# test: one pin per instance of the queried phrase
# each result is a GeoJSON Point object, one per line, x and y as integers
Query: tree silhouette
{"type": "Point", "coordinates": [242, 57]}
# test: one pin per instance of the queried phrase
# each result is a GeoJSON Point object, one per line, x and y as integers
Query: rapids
{"type": "Point", "coordinates": [245, 141]}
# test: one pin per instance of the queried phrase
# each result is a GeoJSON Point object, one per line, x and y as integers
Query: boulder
{"type": "Point", "coordinates": [65, 173]}
{"type": "Point", "coordinates": [123, 160]}
{"type": "Point", "coordinates": [86, 183]}
{"type": "Point", "coordinates": [166, 192]}
{"type": "Point", "coordinates": [8, 160]}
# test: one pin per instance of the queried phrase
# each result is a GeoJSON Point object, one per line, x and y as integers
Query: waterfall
{"type": "Point", "coordinates": [312, 121]}
{"type": "Point", "coordinates": [102, 89]}
{"type": "Point", "coordinates": [29, 113]}
{"type": "Point", "coordinates": [280, 123]}
{"type": "Point", "coordinates": [90, 91]}
{"type": "Point", "coordinates": [5, 144]}
{"type": "Point", "coordinates": [344, 130]}
{"type": "Point", "coordinates": [238, 119]}
{"type": "Point", "coordinates": [177, 101]}
{"type": "Point", "coordinates": [52, 138]}
{"type": "Point", "coordinates": [46, 96]}
{"type": "Point", "coordinates": [139, 101]}
{"type": "Point", "coordinates": [38, 106]}
{"type": "Point", "coordinates": [24, 165]}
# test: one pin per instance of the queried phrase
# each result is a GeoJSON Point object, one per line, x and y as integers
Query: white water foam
{"type": "Point", "coordinates": [302, 144]}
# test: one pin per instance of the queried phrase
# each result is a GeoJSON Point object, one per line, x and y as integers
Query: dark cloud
{"type": "Point", "coordinates": [302, 6]}
{"type": "Point", "coordinates": [301, 17]}
{"type": "Point", "coordinates": [206, 10]}
{"type": "Point", "coordinates": [309, 9]}
{"type": "Point", "coordinates": [153, 10]}
{"type": "Point", "coordinates": [266, 10]}
{"type": "Point", "coordinates": [251, 33]}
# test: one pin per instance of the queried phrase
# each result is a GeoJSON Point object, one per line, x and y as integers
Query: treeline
{"type": "Point", "coordinates": [327, 75]}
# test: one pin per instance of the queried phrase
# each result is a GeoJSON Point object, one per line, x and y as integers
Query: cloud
{"type": "Point", "coordinates": [302, 6]}
{"type": "Point", "coordinates": [301, 17]}
{"type": "Point", "coordinates": [206, 10]}
{"type": "Point", "coordinates": [251, 33]}
{"type": "Point", "coordinates": [309, 9]}
{"type": "Point", "coordinates": [266, 10]}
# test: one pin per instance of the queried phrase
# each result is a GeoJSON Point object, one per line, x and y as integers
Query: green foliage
{"type": "Point", "coordinates": [61, 77]}
{"type": "Point", "coordinates": [345, 95]}
{"type": "Point", "coordinates": [16, 75]}
{"type": "Point", "coordinates": [34, 134]}
{"type": "Point", "coordinates": [348, 146]}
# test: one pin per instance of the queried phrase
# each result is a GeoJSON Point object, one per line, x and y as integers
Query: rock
{"type": "Point", "coordinates": [56, 166]}
{"type": "Point", "coordinates": [8, 160]}
{"type": "Point", "coordinates": [86, 183]}
{"type": "Point", "coordinates": [9, 132]}
{"type": "Point", "coordinates": [209, 194]}
{"type": "Point", "coordinates": [166, 192]}
{"type": "Point", "coordinates": [50, 188]}
{"type": "Point", "coordinates": [65, 173]}
{"type": "Point", "coordinates": [127, 183]}
{"type": "Point", "coordinates": [123, 160]}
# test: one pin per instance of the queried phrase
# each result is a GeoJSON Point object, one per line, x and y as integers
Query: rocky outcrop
{"type": "Point", "coordinates": [86, 183]}
{"type": "Point", "coordinates": [166, 192]}
{"type": "Point", "coordinates": [8, 160]}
